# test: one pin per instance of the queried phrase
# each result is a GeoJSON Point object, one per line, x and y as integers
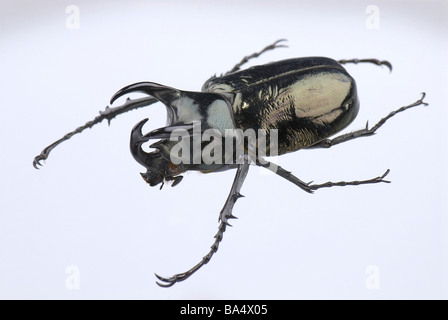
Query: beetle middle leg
{"type": "Point", "coordinates": [284, 174]}
{"type": "Point", "coordinates": [327, 143]}
{"type": "Point", "coordinates": [257, 54]}
{"type": "Point", "coordinates": [309, 187]}
{"type": "Point", "coordinates": [330, 184]}
{"type": "Point", "coordinates": [374, 61]}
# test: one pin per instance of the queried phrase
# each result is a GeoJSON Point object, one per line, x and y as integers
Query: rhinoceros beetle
{"type": "Point", "coordinates": [294, 104]}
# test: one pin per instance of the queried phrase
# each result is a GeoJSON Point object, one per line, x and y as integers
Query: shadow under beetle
{"type": "Point", "coordinates": [304, 100]}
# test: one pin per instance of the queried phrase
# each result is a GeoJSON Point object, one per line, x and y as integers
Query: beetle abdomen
{"type": "Point", "coordinates": [306, 99]}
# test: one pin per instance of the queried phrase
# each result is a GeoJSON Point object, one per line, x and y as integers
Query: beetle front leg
{"type": "Point", "coordinates": [109, 113]}
{"type": "Point", "coordinates": [327, 143]}
{"type": "Point", "coordinates": [224, 216]}
{"type": "Point", "coordinates": [257, 54]}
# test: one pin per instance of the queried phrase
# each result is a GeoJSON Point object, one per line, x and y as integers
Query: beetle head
{"type": "Point", "coordinates": [157, 163]}
{"type": "Point", "coordinates": [158, 167]}
{"type": "Point", "coordinates": [184, 108]}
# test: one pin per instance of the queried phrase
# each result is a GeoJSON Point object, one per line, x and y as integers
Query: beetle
{"type": "Point", "coordinates": [299, 102]}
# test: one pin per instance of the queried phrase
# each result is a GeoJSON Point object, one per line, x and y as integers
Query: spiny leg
{"type": "Point", "coordinates": [374, 61]}
{"type": "Point", "coordinates": [108, 113]}
{"type": "Point", "coordinates": [308, 187]}
{"type": "Point", "coordinates": [330, 184]}
{"type": "Point", "coordinates": [257, 54]}
{"type": "Point", "coordinates": [327, 143]}
{"type": "Point", "coordinates": [224, 216]}
{"type": "Point", "coordinates": [283, 173]}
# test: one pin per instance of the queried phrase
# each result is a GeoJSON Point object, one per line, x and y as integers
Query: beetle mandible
{"type": "Point", "coordinates": [301, 102]}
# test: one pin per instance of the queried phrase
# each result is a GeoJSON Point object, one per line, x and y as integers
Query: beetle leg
{"type": "Point", "coordinates": [308, 187]}
{"type": "Point", "coordinates": [224, 216]}
{"type": "Point", "coordinates": [108, 113]}
{"type": "Point", "coordinates": [330, 184]}
{"type": "Point", "coordinates": [327, 143]}
{"type": "Point", "coordinates": [374, 61]}
{"type": "Point", "coordinates": [257, 54]}
{"type": "Point", "coordinates": [284, 174]}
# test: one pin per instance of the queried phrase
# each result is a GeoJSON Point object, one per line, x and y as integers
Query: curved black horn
{"type": "Point", "coordinates": [137, 139]}
{"type": "Point", "coordinates": [162, 93]}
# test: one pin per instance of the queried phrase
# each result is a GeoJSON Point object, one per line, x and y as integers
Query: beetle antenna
{"type": "Point", "coordinates": [224, 216]}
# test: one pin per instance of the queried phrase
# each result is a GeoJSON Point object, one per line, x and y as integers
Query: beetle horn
{"type": "Point", "coordinates": [137, 139]}
{"type": "Point", "coordinates": [166, 132]}
{"type": "Point", "coordinates": [164, 94]}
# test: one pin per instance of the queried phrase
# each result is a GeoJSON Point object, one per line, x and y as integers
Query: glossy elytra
{"type": "Point", "coordinates": [304, 101]}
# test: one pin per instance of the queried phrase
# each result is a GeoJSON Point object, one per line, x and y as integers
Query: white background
{"type": "Point", "coordinates": [88, 207]}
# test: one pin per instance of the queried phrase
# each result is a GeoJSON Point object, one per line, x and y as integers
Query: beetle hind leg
{"type": "Point", "coordinates": [327, 143]}
{"type": "Point", "coordinates": [224, 216]}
